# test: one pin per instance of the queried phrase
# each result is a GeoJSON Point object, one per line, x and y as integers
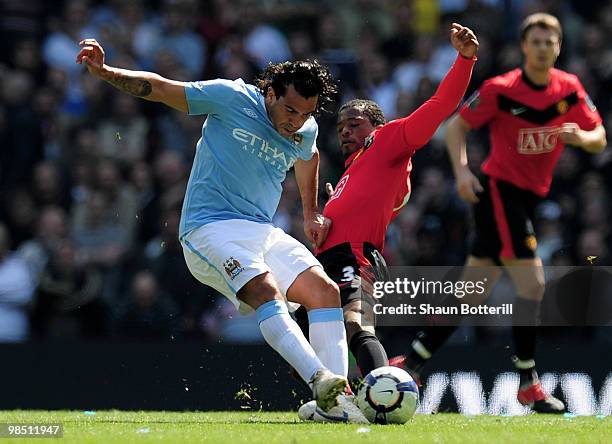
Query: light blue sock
{"type": "Point", "coordinates": [328, 338]}
{"type": "Point", "coordinates": [285, 336]}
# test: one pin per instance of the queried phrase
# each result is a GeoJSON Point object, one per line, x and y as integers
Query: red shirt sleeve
{"type": "Point", "coordinates": [416, 130]}
{"type": "Point", "coordinates": [481, 107]}
{"type": "Point", "coordinates": [585, 113]}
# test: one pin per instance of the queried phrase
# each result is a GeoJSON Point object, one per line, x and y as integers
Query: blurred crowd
{"type": "Point", "coordinates": [92, 180]}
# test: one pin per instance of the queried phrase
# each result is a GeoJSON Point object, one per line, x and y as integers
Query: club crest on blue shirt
{"type": "Point", "coordinates": [232, 267]}
{"type": "Point", "coordinates": [298, 138]}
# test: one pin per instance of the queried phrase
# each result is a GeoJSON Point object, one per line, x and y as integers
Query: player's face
{"type": "Point", "coordinates": [289, 112]}
{"type": "Point", "coordinates": [353, 127]}
{"type": "Point", "coordinates": [541, 48]}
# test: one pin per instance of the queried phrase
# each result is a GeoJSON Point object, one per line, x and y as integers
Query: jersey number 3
{"type": "Point", "coordinates": [348, 274]}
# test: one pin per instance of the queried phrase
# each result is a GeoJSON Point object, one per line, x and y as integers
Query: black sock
{"type": "Point", "coordinates": [525, 319]}
{"type": "Point", "coordinates": [426, 343]}
{"type": "Point", "coordinates": [524, 342]}
{"type": "Point", "coordinates": [524, 349]}
{"type": "Point", "coordinates": [433, 337]}
{"type": "Point", "coordinates": [526, 314]}
{"type": "Point", "coordinates": [368, 351]}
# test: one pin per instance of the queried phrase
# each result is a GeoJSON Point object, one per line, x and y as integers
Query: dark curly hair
{"type": "Point", "coordinates": [309, 78]}
{"type": "Point", "coordinates": [368, 107]}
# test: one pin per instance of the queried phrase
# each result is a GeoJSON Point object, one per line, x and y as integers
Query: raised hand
{"type": "Point", "coordinates": [464, 40]}
{"type": "Point", "coordinates": [92, 55]}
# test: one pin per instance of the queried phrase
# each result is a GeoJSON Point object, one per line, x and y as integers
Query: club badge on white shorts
{"type": "Point", "coordinates": [232, 267]}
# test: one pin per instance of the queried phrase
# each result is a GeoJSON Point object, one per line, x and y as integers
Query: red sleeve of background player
{"type": "Point", "coordinates": [417, 129]}
{"type": "Point", "coordinates": [481, 106]}
{"type": "Point", "coordinates": [585, 113]}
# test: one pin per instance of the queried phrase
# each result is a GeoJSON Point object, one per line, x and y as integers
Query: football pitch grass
{"type": "Point", "coordinates": [284, 427]}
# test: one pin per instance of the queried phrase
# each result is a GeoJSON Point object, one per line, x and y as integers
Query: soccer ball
{"type": "Point", "coordinates": [388, 396]}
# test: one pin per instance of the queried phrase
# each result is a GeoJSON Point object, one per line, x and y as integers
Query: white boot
{"type": "Point", "coordinates": [306, 411]}
{"type": "Point", "coordinates": [345, 411]}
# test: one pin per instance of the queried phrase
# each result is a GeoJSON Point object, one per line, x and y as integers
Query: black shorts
{"type": "Point", "coordinates": [354, 267]}
{"type": "Point", "coordinates": [504, 221]}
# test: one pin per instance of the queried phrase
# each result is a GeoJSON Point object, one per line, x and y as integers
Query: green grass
{"type": "Point", "coordinates": [110, 427]}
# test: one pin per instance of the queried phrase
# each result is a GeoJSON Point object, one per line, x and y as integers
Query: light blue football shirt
{"type": "Point", "coordinates": [241, 160]}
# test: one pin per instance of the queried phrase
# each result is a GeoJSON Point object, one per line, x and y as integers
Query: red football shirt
{"type": "Point", "coordinates": [524, 122]}
{"type": "Point", "coordinates": [376, 183]}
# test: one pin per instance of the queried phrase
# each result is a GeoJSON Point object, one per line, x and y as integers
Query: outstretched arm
{"type": "Point", "coordinates": [420, 126]}
{"type": "Point", "coordinates": [147, 85]}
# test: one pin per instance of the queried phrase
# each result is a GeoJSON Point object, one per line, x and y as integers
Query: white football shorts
{"type": "Point", "coordinates": [225, 255]}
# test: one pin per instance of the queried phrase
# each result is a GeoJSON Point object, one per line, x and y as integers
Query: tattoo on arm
{"type": "Point", "coordinates": [136, 87]}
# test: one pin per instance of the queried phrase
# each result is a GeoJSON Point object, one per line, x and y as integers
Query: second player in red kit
{"type": "Point", "coordinates": [528, 124]}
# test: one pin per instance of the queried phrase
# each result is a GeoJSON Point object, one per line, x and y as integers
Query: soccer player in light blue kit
{"type": "Point", "coordinates": [252, 136]}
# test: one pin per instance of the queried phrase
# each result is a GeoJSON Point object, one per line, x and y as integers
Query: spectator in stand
{"type": "Point", "coordinates": [68, 303]}
{"type": "Point", "coordinates": [16, 291]}
{"type": "Point", "coordinates": [150, 313]}
{"type": "Point", "coordinates": [52, 228]}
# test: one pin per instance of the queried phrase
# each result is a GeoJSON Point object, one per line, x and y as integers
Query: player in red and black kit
{"type": "Point", "coordinates": [532, 112]}
{"type": "Point", "coordinates": [373, 189]}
